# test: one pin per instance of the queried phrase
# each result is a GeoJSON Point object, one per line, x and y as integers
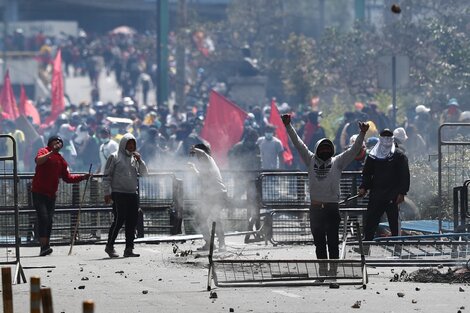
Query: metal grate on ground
{"type": "Point", "coordinates": [426, 250]}
{"type": "Point", "coordinates": [251, 273]}
{"type": "Point", "coordinates": [290, 272]}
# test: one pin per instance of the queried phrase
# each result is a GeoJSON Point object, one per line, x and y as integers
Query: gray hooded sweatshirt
{"type": "Point", "coordinates": [324, 176]}
{"type": "Point", "coordinates": [122, 170]}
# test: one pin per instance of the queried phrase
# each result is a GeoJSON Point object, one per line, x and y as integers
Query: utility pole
{"type": "Point", "coordinates": [162, 52]}
{"type": "Point", "coordinates": [181, 54]}
{"type": "Point", "coordinates": [360, 9]}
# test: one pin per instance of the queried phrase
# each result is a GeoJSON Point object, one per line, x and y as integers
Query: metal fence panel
{"type": "Point", "coordinates": [454, 163]}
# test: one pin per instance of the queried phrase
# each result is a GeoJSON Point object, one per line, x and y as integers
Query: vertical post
{"type": "Point", "coordinates": [46, 298]}
{"type": "Point", "coordinates": [35, 306]}
{"type": "Point", "coordinates": [321, 18]}
{"type": "Point", "coordinates": [162, 52]}
{"type": "Point", "coordinates": [180, 55]}
{"type": "Point", "coordinates": [88, 306]}
{"type": "Point", "coordinates": [211, 252]}
{"type": "Point", "coordinates": [360, 10]}
{"type": "Point", "coordinates": [394, 90]}
{"type": "Point", "coordinates": [7, 293]}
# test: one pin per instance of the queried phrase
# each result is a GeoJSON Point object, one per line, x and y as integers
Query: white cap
{"type": "Point", "coordinates": [464, 116]}
{"type": "Point", "coordinates": [400, 134]}
{"type": "Point", "coordinates": [422, 109]}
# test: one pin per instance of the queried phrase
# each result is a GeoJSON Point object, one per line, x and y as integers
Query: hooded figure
{"type": "Point", "coordinates": [120, 183]}
{"type": "Point", "coordinates": [386, 174]}
{"type": "Point", "coordinates": [324, 175]}
{"type": "Point", "coordinates": [385, 147]}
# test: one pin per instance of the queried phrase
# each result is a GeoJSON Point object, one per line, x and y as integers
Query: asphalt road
{"type": "Point", "coordinates": [162, 281]}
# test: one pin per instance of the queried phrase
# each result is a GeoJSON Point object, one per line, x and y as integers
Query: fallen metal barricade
{"type": "Point", "coordinates": [451, 249]}
{"type": "Point", "coordinates": [256, 273]}
{"type": "Point", "coordinates": [10, 240]}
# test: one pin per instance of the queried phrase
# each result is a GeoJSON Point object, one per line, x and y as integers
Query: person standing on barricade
{"type": "Point", "coordinates": [50, 166]}
{"type": "Point", "coordinates": [213, 195]}
{"type": "Point", "coordinates": [324, 175]}
{"type": "Point", "coordinates": [120, 183]}
{"type": "Point", "coordinates": [387, 175]}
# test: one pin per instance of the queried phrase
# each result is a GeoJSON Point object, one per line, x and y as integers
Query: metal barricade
{"type": "Point", "coordinates": [255, 273]}
{"type": "Point", "coordinates": [10, 240]}
{"type": "Point", "coordinates": [423, 250]}
{"type": "Point", "coordinates": [285, 195]}
{"type": "Point", "coordinates": [453, 167]}
{"type": "Point", "coordinates": [234, 215]}
{"type": "Point", "coordinates": [157, 201]}
{"type": "Point", "coordinates": [461, 213]}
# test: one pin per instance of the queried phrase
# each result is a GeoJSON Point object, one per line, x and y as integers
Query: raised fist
{"type": "Point", "coordinates": [285, 119]}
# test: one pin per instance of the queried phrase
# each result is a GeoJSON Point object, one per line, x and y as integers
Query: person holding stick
{"type": "Point", "coordinates": [324, 175]}
{"type": "Point", "coordinates": [50, 167]}
{"type": "Point", "coordinates": [120, 183]}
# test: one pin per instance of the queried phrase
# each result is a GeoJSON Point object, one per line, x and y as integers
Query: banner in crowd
{"type": "Point", "coordinates": [223, 126]}
{"type": "Point", "coordinates": [7, 99]}
{"type": "Point", "coordinates": [281, 132]}
{"type": "Point", "coordinates": [57, 90]}
{"type": "Point", "coordinates": [27, 108]}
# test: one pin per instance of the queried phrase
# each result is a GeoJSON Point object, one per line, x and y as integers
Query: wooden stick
{"type": "Point", "coordinates": [7, 293]}
{"type": "Point", "coordinates": [88, 306]}
{"type": "Point", "coordinates": [75, 231]}
{"type": "Point", "coordinates": [46, 298]}
{"type": "Point", "coordinates": [35, 294]}
{"type": "Point", "coordinates": [211, 251]}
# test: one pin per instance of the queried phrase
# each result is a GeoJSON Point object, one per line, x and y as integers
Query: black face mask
{"type": "Point", "coordinates": [324, 156]}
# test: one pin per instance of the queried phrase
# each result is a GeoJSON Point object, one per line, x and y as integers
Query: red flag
{"type": "Point", "coordinates": [57, 90]}
{"type": "Point", "coordinates": [7, 99]}
{"type": "Point", "coordinates": [223, 126]}
{"type": "Point", "coordinates": [27, 108]}
{"type": "Point", "coordinates": [281, 132]}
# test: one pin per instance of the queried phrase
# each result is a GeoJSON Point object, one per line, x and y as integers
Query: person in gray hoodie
{"type": "Point", "coordinates": [324, 175]}
{"type": "Point", "coordinates": [120, 183]}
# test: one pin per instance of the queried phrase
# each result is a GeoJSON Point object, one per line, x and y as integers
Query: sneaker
{"type": "Point", "coordinates": [205, 247]}
{"type": "Point", "coordinates": [111, 252]}
{"type": "Point", "coordinates": [128, 253]}
{"type": "Point", "coordinates": [45, 251]}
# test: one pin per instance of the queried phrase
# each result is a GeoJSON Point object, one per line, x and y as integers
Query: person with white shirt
{"type": "Point", "coordinates": [107, 147]}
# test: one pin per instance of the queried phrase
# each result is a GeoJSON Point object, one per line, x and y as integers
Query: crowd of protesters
{"type": "Point", "coordinates": [165, 133]}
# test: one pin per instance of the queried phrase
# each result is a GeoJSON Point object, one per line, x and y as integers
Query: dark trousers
{"type": "Point", "coordinates": [324, 224]}
{"type": "Point", "coordinates": [44, 207]}
{"type": "Point", "coordinates": [125, 210]}
{"type": "Point", "coordinates": [375, 209]}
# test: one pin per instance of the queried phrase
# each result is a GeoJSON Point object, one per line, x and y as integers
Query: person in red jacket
{"type": "Point", "coordinates": [50, 167]}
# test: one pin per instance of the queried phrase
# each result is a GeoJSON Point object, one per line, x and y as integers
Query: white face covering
{"type": "Point", "coordinates": [128, 153]}
{"type": "Point", "coordinates": [384, 148]}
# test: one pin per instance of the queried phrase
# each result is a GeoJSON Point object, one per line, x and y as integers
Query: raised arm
{"type": "Point", "coordinates": [305, 154]}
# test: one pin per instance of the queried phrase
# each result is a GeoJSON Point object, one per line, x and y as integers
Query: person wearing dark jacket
{"type": "Point", "coordinates": [387, 177]}
{"type": "Point", "coordinates": [50, 167]}
{"type": "Point", "coordinates": [120, 183]}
